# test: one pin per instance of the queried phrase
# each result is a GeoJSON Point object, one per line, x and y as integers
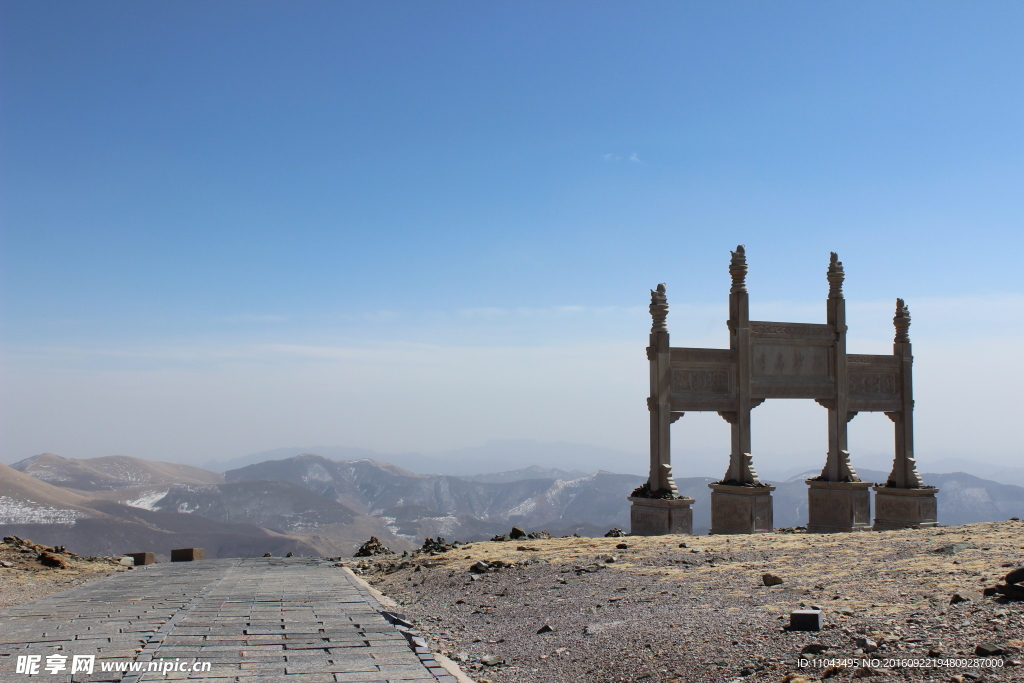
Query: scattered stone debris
{"type": "Point", "coordinates": [613, 607]}
{"type": "Point", "coordinates": [438, 546]}
{"type": "Point", "coordinates": [482, 567]}
{"type": "Point", "coordinates": [373, 547]}
{"type": "Point", "coordinates": [644, 491]}
{"type": "Point", "coordinates": [31, 570]}
{"type": "Point", "coordinates": [519, 532]}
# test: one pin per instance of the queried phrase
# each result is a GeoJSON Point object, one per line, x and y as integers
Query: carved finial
{"type": "Point", "coordinates": [738, 270]}
{"type": "Point", "coordinates": [902, 322]}
{"type": "Point", "coordinates": [659, 309]}
{"type": "Point", "coordinates": [835, 277]}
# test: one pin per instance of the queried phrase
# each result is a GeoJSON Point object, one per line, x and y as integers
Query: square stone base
{"type": "Point", "coordinates": [838, 506]}
{"type": "Point", "coordinates": [657, 517]}
{"type": "Point", "coordinates": [741, 509]}
{"type": "Point", "coordinates": [186, 554]}
{"type": "Point", "coordinates": [142, 558]}
{"type": "Point", "coordinates": [905, 508]}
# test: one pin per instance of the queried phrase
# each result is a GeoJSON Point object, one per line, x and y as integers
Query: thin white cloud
{"type": "Point", "coordinates": [634, 158]}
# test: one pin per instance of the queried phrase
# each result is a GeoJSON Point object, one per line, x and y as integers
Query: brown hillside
{"type": "Point", "coordinates": [110, 472]}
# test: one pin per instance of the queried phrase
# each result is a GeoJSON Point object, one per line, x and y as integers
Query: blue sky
{"type": "Point", "coordinates": [235, 226]}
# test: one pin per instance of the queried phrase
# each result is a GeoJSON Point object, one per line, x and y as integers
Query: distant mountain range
{"type": "Point", "coordinates": [311, 504]}
{"type": "Point", "coordinates": [91, 525]}
{"type": "Point", "coordinates": [489, 458]}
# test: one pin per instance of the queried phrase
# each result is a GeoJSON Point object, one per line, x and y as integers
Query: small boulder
{"type": "Point", "coordinates": [545, 629]}
{"type": "Point", "coordinates": [964, 596]}
{"type": "Point", "coordinates": [267, 555]}
{"type": "Point", "coordinates": [291, 554]}
{"type": "Point", "coordinates": [517, 533]}
{"type": "Point", "coordinates": [615, 533]}
{"type": "Point", "coordinates": [480, 567]}
{"type": "Point", "coordinates": [1011, 591]}
{"type": "Point", "coordinates": [771, 579]}
{"type": "Point", "coordinates": [5, 563]}
{"type": "Point", "coordinates": [50, 560]}
{"type": "Point", "coordinates": [866, 644]}
{"type": "Point", "coordinates": [813, 649]}
{"type": "Point", "coordinates": [988, 650]}
{"type": "Point", "coordinates": [1015, 576]}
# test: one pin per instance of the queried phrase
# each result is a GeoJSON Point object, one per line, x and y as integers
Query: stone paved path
{"type": "Point", "coordinates": [265, 620]}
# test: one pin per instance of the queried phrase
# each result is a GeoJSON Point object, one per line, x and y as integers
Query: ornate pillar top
{"type": "Point", "coordinates": [659, 309]}
{"type": "Point", "coordinates": [902, 323]}
{"type": "Point", "coordinates": [835, 277]}
{"type": "Point", "coordinates": [738, 270]}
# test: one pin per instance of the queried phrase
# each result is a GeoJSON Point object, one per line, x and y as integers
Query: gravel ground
{"type": "Point", "coordinates": [661, 612]}
{"type": "Point", "coordinates": [28, 578]}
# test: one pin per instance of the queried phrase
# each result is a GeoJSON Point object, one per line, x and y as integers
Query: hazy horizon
{"type": "Point", "coordinates": [234, 227]}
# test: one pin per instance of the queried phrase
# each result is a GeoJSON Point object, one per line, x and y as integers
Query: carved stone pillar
{"type": "Point", "coordinates": [904, 501]}
{"type": "Point", "coordinates": [740, 503]}
{"type": "Point", "coordinates": [657, 508]}
{"type": "Point", "coordinates": [837, 500]}
{"type": "Point", "coordinates": [659, 402]}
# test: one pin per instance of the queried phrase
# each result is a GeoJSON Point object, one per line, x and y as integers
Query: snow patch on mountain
{"type": "Point", "coordinates": [13, 511]}
{"type": "Point", "coordinates": [147, 501]}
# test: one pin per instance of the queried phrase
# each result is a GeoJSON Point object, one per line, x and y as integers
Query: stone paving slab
{"type": "Point", "coordinates": [260, 619]}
